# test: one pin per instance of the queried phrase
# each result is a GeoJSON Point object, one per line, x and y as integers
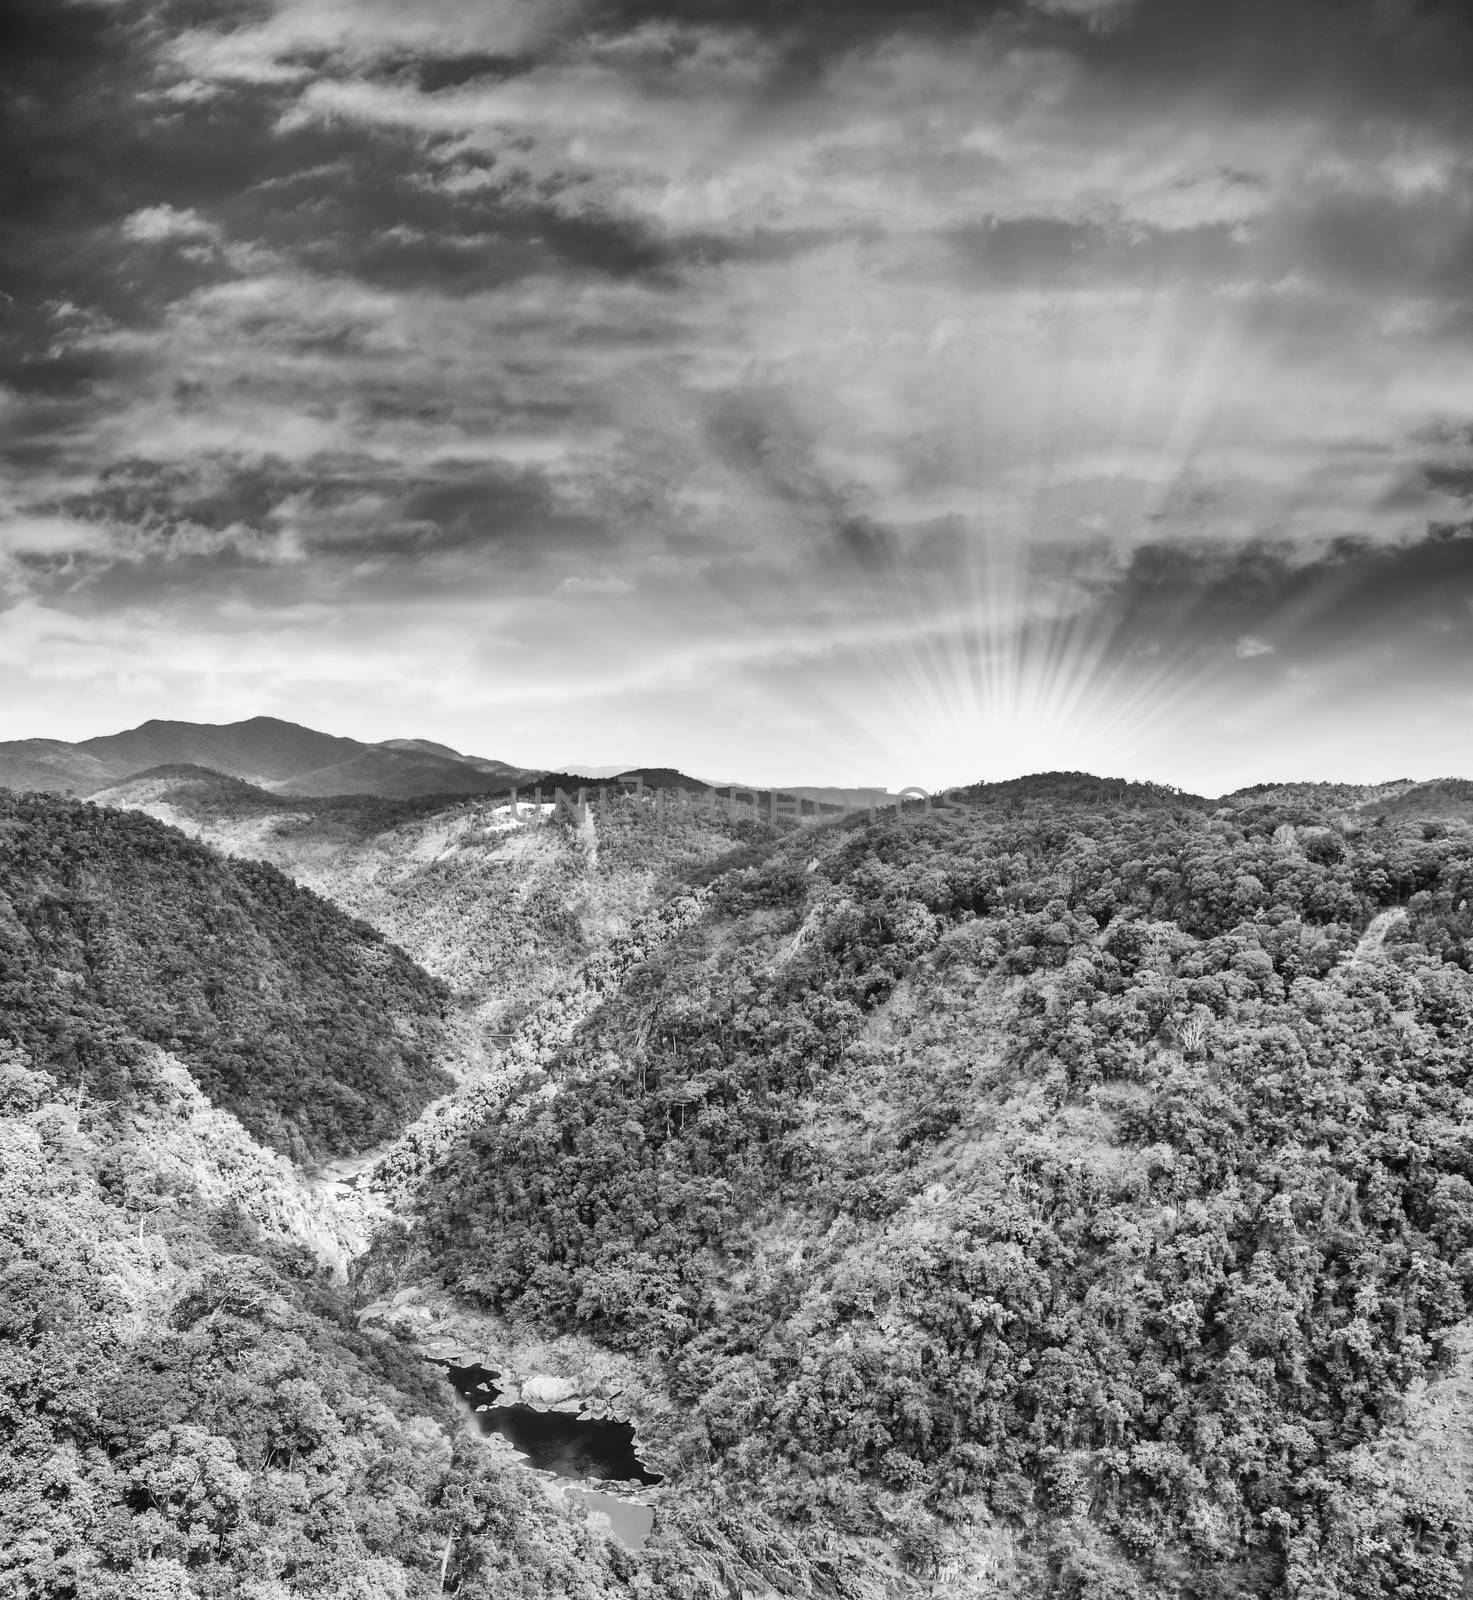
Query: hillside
{"type": "Point", "coordinates": [116, 932]}
{"type": "Point", "coordinates": [1442, 798]}
{"type": "Point", "coordinates": [1065, 1197]}
{"type": "Point", "coordinates": [182, 795]}
{"type": "Point", "coordinates": [399, 774]}
{"type": "Point", "coordinates": [1079, 788]}
{"type": "Point", "coordinates": [187, 783]}
{"type": "Point", "coordinates": [187, 1406]}
{"type": "Point", "coordinates": [1320, 796]}
{"type": "Point", "coordinates": [501, 911]}
{"type": "Point", "coordinates": [429, 747]}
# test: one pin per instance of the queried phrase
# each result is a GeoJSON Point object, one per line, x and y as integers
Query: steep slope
{"type": "Point", "coordinates": [1053, 1198]}
{"type": "Point", "coordinates": [1043, 1192]}
{"type": "Point", "coordinates": [503, 911]}
{"type": "Point", "coordinates": [1441, 798]}
{"type": "Point", "coordinates": [187, 1409]}
{"type": "Point", "coordinates": [187, 1405]}
{"type": "Point", "coordinates": [116, 931]}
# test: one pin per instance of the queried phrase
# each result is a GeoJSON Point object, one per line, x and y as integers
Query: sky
{"type": "Point", "coordinates": [784, 390]}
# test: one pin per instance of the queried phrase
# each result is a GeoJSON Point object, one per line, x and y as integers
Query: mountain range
{"type": "Point", "coordinates": [283, 758]}
{"type": "Point", "coordinates": [275, 755]}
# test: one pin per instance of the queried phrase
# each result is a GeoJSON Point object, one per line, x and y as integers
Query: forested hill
{"type": "Point", "coordinates": [1077, 788]}
{"type": "Point", "coordinates": [116, 931]}
{"type": "Point", "coordinates": [1067, 1197]}
{"type": "Point", "coordinates": [501, 910]}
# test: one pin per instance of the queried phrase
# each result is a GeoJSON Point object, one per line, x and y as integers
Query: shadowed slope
{"type": "Point", "coordinates": [115, 930]}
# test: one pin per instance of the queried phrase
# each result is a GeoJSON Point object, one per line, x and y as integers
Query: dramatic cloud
{"type": "Point", "coordinates": [822, 387]}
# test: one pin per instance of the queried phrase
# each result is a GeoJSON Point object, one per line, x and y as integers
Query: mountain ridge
{"type": "Point", "coordinates": [269, 752]}
{"type": "Point", "coordinates": [293, 760]}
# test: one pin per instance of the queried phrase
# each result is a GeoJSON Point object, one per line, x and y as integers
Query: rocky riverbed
{"type": "Point", "coordinates": [565, 1378]}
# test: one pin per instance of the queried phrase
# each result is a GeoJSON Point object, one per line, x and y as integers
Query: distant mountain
{"type": "Point", "coordinates": [402, 774]}
{"type": "Point", "coordinates": [285, 759]}
{"type": "Point", "coordinates": [428, 747]}
{"type": "Point", "coordinates": [423, 746]}
{"type": "Point", "coordinates": [864, 795]}
{"type": "Point", "coordinates": [51, 765]}
{"type": "Point", "coordinates": [586, 772]}
{"type": "Point", "coordinates": [265, 751]}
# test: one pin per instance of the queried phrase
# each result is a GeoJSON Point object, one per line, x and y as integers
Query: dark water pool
{"type": "Point", "coordinates": [556, 1441]}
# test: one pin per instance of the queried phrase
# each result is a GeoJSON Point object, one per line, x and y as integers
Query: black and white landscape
{"type": "Point", "coordinates": [509, 1086]}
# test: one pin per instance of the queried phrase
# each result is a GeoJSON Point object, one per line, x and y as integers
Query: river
{"type": "Point", "coordinates": [568, 1446]}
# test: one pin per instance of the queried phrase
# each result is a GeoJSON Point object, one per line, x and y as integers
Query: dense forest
{"type": "Point", "coordinates": [1093, 1174]}
{"type": "Point", "coordinates": [1069, 1192]}
{"type": "Point", "coordinates": [503, 913]}
{"type": "Point", "coordinates": [116, 932]}
{"type": "Point", "coordinates": [187, 1405]}
{"type": "Point", "coordinates": [187, 1408]}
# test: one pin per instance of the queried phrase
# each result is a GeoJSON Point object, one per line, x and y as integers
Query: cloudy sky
{"type": "Point", "coordinates": [783, 389]}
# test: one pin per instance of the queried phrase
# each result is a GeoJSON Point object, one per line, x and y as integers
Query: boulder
{"type": "Point", "coordinates": [542, 1389]}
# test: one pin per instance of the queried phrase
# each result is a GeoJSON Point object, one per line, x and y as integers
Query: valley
{"type": "Point", "coordinates": [1066, 1194]}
